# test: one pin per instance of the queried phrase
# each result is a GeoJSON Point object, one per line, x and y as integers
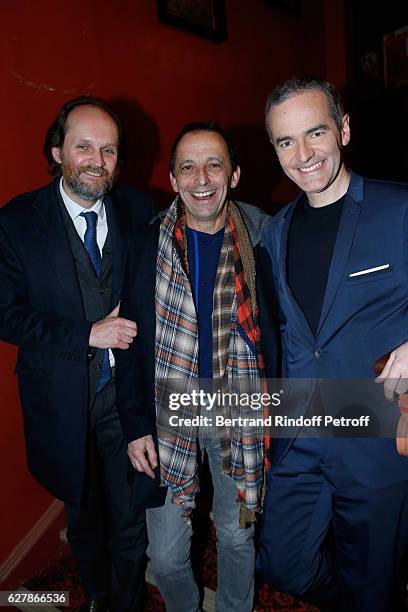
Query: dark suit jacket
{"type": "Point", "coordinates": [41, 311]}
{"type": "Point", "coordinates": [135, 368]}
{"type": "Point", "coordinates": [363, 316]}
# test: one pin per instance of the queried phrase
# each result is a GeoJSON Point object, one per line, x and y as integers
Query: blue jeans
{"type": "Point", "coordinates": [170, 540]}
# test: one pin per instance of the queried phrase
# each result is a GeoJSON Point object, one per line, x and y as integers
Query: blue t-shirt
{"type": "Point", "coordinates": [203, 252]}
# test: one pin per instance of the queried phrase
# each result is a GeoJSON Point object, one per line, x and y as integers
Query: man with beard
{"type": "Point", "coordinates": [62, 254]}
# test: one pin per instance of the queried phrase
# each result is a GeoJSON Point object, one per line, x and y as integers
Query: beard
{"type": "Point", "coordinates": [90, 191]}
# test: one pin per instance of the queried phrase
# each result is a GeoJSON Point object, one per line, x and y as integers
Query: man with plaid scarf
{"type": "Point", "coordinates": [192, 292]}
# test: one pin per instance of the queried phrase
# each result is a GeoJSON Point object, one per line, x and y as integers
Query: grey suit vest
{"type": "Point", "coordinates": [96, 291]}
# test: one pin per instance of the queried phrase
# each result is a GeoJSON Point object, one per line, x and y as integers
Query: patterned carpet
{"type": "Point", "coordinates": [64, 577]}
{"type": "Point", "coordinates": [63, 574]}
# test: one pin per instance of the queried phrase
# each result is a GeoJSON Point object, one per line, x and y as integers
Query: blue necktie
{"type": "Point", "coordinates": [94, 253]}
{"type": "Point", "coordinates": [90, 242]}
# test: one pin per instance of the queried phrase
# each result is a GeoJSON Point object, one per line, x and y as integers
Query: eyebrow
{"type": "Point", "coordinates": [216, 158]}
{"type": "Point", "coordinates": [316, 128]}
{"type": "Point", "coordinates": [211, 158]}
{"type": "Point", "coordinates": [89, 140]}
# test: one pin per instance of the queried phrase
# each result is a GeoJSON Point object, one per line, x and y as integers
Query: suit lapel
{"type": "Point", "coordinates": [345, 237]}
{"type": "Point", "coordinates": [118, 223]}
{"type": "Point", "coordinates": [54, 241]}
{"type": "Point", "coordinates": [297, 315]}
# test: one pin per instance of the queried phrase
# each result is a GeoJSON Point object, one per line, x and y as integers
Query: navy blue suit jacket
{"type": "Point", "coordinates": [41, 311]}
{"type": "Point", "coordinates": [363, 317]}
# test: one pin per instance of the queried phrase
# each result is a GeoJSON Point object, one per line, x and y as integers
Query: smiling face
{"type": "Point", "coordinates": [89, 154]}
{"type": "Point", "coordinates": [309, 145]}
{"type": "Point", "coordinates": [202, 177]}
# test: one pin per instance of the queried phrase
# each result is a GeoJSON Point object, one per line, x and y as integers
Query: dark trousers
{"type": "Point", "coordinates": [106, 536]}
{"type": "Point", "coordinates": [329, 540]}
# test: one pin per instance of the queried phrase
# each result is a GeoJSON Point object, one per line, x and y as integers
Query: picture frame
{"type": "Point", "coordinates": [395, 58]}
{"type": "Point", "coordinates": [292, 7]}
{"type": "Point", "coordinates": [203, 17]}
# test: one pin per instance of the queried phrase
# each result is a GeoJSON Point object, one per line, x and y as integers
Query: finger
{"type": "Point", "coordinates": [401, 386]}
{"type": "Point", "coordinates": [130, 452]}
{"type": "Point", "coordinates": [151, 454]}
{"type": "Point", "coordinates": [403, 403]}
{"type": "Point", "coordinates": [389, 388]}
{"type": "Point", "coordinates": [384, 374]}
{"type": "Point", "coordinates": [402, 436]}
{"type": "Point", "coordinates": [128, 331]}
{"type": "Point", "coordinates": [128, 323]}
{"type": "Point", "coordinates": [119, 344]}
{"type": "Point", "coordinates": [145, 466]}
{"type": "Point", "coordinates": [115, 311]}
{"type": "Point", "coordinates": [134, 459]}
{"type": "Point", "coordinates": [125, 338]}
{"type": "Point", "coordinates": [134, 463]}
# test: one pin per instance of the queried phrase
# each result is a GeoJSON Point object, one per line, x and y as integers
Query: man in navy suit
{"type": "Point", "coordinates": [62, 254]}
{"type": "Point", "coordinates": [335, 528]}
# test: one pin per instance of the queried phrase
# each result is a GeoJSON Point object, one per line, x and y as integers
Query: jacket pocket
{"type": "Point", "coordinates": [369, 275]}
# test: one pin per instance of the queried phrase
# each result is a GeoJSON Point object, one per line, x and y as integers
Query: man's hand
{"type": "Point", "coordinates": [402, 435]}
{"type": "Point", "coordinates": [113, 332]}
{"type": "Point", "coordinates": [395, 373]}
{"type": "Point", "coordinates": [143, 455]}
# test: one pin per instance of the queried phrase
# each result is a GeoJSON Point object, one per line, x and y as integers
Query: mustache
{"type": "Point", "coordinates": [95, 169]}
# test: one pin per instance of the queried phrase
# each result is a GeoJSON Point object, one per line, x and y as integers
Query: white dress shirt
{"type": "Point", "coordinates": [75, 210]}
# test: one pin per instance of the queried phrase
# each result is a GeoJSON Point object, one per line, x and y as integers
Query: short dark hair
{"type": "Point", "coordinates": [202, 126]}
{"type": "Point", "coordinates": [56, 132]}
{"type": "Point", "coordinates": [301, 84]}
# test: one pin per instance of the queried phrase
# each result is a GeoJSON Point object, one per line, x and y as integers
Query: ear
{"type": "Point", "coordinates": [56, 153]}
{"type": "Point", "coordinates": [345, 130]}
{"type": "Point", "coordinates": [235, 177]}
{"type": "Point", "coordinates": [173, 182]}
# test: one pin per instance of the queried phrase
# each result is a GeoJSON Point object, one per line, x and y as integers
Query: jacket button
{"type": "Point", "coordinates": [318, 353]}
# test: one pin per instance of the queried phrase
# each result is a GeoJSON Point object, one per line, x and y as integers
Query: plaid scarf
{"type": "Point", "coordinates": [237, 357]}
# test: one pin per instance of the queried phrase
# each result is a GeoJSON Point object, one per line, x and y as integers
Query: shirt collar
{"type": "Point", "coordinates": [75, 209]}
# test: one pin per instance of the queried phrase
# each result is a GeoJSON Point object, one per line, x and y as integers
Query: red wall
{"type": "Point", "coordinates": [159, 78]}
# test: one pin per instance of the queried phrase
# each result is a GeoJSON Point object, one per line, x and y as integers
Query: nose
{"type": "Point", "coordinates": [98, 158]}
{"type": "Point", "coordinates": [305, 151]}
{"type": "Point", "coordinates": [202, 176]}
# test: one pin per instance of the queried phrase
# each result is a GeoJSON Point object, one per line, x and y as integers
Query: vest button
{"type": "Point", "coordinates": [318, 353]}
